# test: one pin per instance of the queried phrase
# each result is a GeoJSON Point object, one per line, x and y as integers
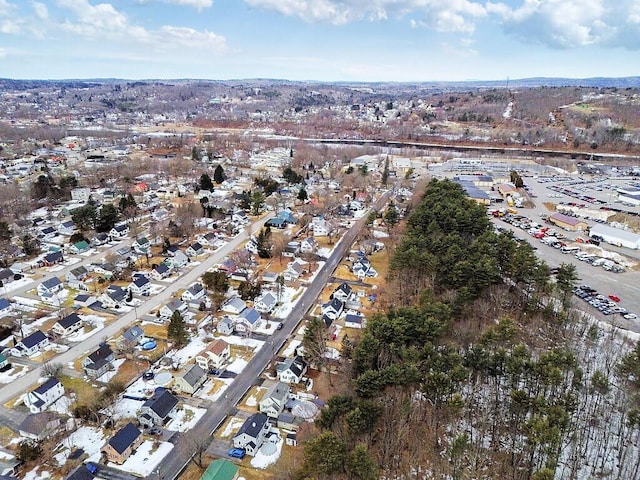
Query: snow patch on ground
{"type": "Point", "coordinates": [90, 439]}
{"type": "Point", "coordinates": [291, 348]}
{"type": "Point", "coordinates": [237, 366]}
{"type": "Point", "coordinates": [233, 425]}
{"type": "Point", "coordinates": [263, 461]}
{"type": "Point", "coordinates": [145, 459]}
{"type": "Point", "coordinates": [186, 419]}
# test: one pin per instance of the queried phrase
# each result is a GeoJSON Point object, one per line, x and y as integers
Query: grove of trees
{"type": "Point", "coordinates": [475, 369]}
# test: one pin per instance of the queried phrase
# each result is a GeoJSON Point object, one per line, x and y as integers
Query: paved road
{"type": "Point", "coordinates": [173, 464]}
{"type": "Point", "coordinates": [23, 383]}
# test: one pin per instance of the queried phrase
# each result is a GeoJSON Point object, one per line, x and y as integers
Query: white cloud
{"type": "Point", "coordinates": [40, 10]}
{"type": "Point", "coordinates": [6, 8]}
{"type": "Point", "coordinates": [3, 52]}
{"type": "Point", "coordinates": [198, 4]}
{"type": "Point", "coordinates": [446, 16]}
{"type": "Point", "coordinates": [572, 23]}
{"type": "Point", "coordinates": [9, 27]}
{"type": "Point", "coordinates": [103, 22]}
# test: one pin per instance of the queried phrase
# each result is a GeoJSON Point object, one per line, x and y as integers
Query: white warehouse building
{"type": "Point", "coordinates": [616, 236]}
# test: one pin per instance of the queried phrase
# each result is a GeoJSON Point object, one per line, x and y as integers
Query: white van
{"type": "Point", "coordinates": [568, 249]}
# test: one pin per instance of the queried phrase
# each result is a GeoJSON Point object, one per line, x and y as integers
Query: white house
{"type": "Point", "coordinates": [177, 261]}
{"type": "Point", "coordinates": [114, 297]}
{"type": "Point", "coordinates": [190, 380]}
{"type": "Point", "coordinates": [265, 303]}
{"type": "Point", "coordinates": [343, 292]}
{"type": "Point", "coordinates": [309, 245]}
{"type": "Point", "coordinates": [80, 194]}
{"type": "Point", "coordinates": [225, 325]}
{"type": "Point", "coordinates": [294, 270]}
{"type": "Point", "coordinates": [274, 399]}
{"type": "Point", "coordinates": [119, 231]}
{"type": "Point", "coordinates": [67, 228]}
{"type": "Point", "coordinates": [49, 287]}
{"type": "Point", "coordinates": [194, 293]}
{"type": "Point", "coordinates": [175, 305]}
{"type": "Point", "coordinates": [5, 307]}
{"type": "Point", "coordinates": [292, 370]}
{"type": "Point", "coordinates": [40, 398]}
{"type": "Point", "coordinates": [30, 344]}
{"type": "Point", "coordinates": [252, 433]}
{"type": "Point", "coordinates": [160, 272]}
{"type": "Point", "coordinates": [194, 249]}
{"type": "Point", "coordinates": [141, 245]}
{"type": "Point", "coordinates": [354, 321]}
{"type": "Point", "coordinates": [140, 286]}
{"type": "Point", "coordinates": [68, 325]}
{"type": "Point", "coordinates": [248, 320]}
{"type": "Point", "coordinates": [234, 305]}
{"type": "Point", "coordinates": [214, 356]}
{"type": "Point", "coordinates": [333, 308]}
{"type": "Point", "coordinates": [321, 227]}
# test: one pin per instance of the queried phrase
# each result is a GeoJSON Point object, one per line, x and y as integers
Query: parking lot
{"type": "Point", "coordinates": [611, 270]}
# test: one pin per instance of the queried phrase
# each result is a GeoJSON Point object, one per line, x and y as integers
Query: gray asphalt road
{"type": "Point", "coordinates": [173, 464]}
{"type": "Point", "coordinates": [23, 383]}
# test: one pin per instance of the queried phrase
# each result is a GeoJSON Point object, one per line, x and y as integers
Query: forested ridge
{"type": "Point", "coordinates": [479, 368]}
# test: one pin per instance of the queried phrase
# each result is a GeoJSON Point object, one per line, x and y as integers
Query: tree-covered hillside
{"type": "Point", "coordinates": [477, 370]}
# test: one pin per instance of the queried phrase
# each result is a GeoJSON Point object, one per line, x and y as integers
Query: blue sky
{"type": "Point", "coordinates": [327, 40]}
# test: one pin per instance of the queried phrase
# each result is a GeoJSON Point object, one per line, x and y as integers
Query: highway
{"type": "Point", "coordinates": [173, 464]}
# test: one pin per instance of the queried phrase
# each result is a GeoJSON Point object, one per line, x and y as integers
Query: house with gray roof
{"type": "Point", "coordinates": [265, 303]}
{"type": "Point", "coordinates": [190, 380]}
{"type": "Point", "coordinates": [274, 399]}
{"type": "Point", "coordinates": [233, 305]}
{"type": "Point", "coordinates": [175, 305]}
{"type": "Point", "coordinates": [99, 361]}
{"type": "Point", "coordinates": [158, 409]}
{"type": "Point", "coordinates": [252, 433]}
{"type": "Point", "coordinates": [38, 426]}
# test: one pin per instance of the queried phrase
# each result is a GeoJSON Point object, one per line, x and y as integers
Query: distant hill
{"type": "Point", "coordinates": [595, 82]}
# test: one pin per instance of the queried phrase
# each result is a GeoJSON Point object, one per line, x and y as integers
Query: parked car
{"type": "Point", "coordinates": [236, 453]}
{"type": "Point", "coordinates": [615, 298]}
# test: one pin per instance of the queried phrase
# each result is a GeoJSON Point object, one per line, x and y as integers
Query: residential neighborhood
{"type": "Point", "coordinates": [230, 298]}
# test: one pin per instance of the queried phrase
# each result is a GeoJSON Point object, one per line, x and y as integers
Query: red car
{"type": "Point", "coordinates": [614, 298]}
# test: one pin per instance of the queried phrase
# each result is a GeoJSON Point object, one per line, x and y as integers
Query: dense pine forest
{"type": "Point", "coordinates": [480, 368]}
